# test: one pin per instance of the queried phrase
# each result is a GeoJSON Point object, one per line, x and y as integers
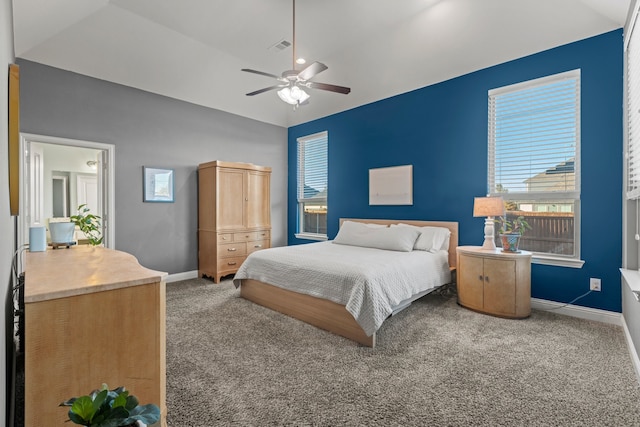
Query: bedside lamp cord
{"type": "Point", "coordinates": [570, 302]}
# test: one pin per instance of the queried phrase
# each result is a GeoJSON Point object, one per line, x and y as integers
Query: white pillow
{"type": "Point", "coordinates": [368, 224]}
{"type": "Point", "coordinates": [431, 239]}
{"type": "Point", "coordinates": [393, 239]}
{"type": "Point", "coordinates": [446, 243]}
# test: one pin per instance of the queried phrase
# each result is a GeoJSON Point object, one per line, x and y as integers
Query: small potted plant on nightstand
{"type": "Point", "coordinates": [111, 408]}
{"type": "Point", "coordinates": [511, 231]}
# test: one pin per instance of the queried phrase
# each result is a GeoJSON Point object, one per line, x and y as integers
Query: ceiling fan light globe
{"type": "Point", "coordinates": [285, 95]}
{"type": "Point", "coordinates": [296, 93]}
{"type": "Point", "coordinates": [303, 96]}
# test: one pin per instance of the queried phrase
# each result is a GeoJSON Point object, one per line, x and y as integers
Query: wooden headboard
{"type": "Point", "coordinates": [452, 226]}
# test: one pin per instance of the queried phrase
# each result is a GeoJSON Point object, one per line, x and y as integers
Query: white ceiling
{"type": "Point", "coordinates": [193, 50]}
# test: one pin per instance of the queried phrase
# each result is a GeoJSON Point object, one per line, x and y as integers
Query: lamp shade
{"type": "Point", "coordinates": [488, 206]}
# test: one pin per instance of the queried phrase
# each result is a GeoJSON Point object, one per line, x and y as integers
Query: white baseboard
{"type": "Point", "coordinates": [182, 276]}
{"type": "Point", "coordinates": [632, 349]}
{"type": "Point", "coordinates": [578, 311]}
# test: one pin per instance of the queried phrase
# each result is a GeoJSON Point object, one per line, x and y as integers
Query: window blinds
{"type": "Point", "coordinates": [633, 113]}
{"type": "Point", "coordinates": [312, 167]}
{"type": "Point", "coordinates": [534, 134]}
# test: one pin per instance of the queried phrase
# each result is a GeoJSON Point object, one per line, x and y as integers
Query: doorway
{"type": "Point", "coordinates": [58, 175]}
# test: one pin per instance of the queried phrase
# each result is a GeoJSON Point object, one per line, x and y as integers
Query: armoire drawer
{"type": "Point", "coordinates": [225, 237]}
{"type": "Point", "coordinates": [257, 245]}
{"type": "Point", "coordinates": [244, 236]}
{"type": "Point", "coordinates": [263, 235]}
{"type": "Point", "coordinates": [232, 249]}
{"type": "Point", "coordinates": [251, 235]}
{"type": "Point", "coordinates": [232, 263]}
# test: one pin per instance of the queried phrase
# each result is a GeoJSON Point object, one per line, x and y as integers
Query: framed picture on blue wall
{"type": "Point", "coordinates": [391, 185]}
{"type": "Point", "coordinates": [158, 185]}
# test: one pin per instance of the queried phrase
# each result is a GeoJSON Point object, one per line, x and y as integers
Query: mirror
{"type": "Point", "coordinates": [60, 194]}
{"type": "Point", "coordinates": [67, 177]}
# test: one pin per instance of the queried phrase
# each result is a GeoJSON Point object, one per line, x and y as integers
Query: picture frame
{"type": "Point", "coordinates": [391, 185]}
{"type": "Point", "coordinates": [14, 139]}
{"type": "Point", "coordinates": [158, 185]}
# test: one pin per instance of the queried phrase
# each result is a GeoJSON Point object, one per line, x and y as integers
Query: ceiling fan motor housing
{"type": "Point", "coordinates": [290, 75]}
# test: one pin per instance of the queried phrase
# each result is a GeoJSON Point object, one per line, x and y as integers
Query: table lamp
{"type": "Point", "coordinates": [488, 207]}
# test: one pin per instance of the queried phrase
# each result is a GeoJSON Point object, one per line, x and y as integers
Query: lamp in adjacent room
{"type": "Point", "coordinates": [488, 207]}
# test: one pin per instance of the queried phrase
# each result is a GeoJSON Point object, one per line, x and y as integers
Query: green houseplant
{"type": "Point", "coordinates": [110, 408]}
{"type": "Point", "coordinates": [89, 224]}
{"type": "Point", "coordinates": [510, 232]}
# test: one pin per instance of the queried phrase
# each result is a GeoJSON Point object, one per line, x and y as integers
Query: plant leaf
{"type": "Point", "coordinates": [148, 414]}
{"type": "Point", "coordinates": [78, 419]}
{"type": "Point", "coordinates": [68, 402]}
{"type": "Point", "coordinates": [132, 402]}
{"type": "Point", "coordinates": [120, 400]}
{"type": "Point", "coordinates": [99, 400]}
{"type": "Point", "coordinates": [83, 407]}
{"type": "Point", "coordinates": [117, 415]}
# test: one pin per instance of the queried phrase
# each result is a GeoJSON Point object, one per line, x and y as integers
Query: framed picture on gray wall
{"type": "Point", "coordinates": [157, 185]}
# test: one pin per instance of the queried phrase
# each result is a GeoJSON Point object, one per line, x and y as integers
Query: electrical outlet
{"type": "Point", "coordinates": [594, 284]}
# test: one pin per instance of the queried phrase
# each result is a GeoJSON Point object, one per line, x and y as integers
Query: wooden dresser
{"type": "Point", "coordinates": [92, 316]}
{"type": "Point", "coordinates": [234, 215]}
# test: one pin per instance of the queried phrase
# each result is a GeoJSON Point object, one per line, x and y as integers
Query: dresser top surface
{"type": "Point", "coordinates": [81, 270]}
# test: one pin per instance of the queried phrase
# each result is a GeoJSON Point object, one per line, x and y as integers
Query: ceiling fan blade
{"type": "Point", "coordinates": [312, 70]}
{"type": "Point", "coordinates": [330, 88]}
{"type": "Point", "coordinates": [266, 89]}
{"type": "Point", "coordinates": [262, 73]}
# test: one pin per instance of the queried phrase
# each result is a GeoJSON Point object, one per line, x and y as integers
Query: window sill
{"type": "Point", "coordinates": [304, 236]}
{"type": "Point", "coordinates": [558, 262]}
{"type": "Point", "coordinates": [632, 279]}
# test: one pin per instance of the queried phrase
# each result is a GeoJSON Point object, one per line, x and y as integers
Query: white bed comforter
{"type": "Point", "coordinates": [369, 282]}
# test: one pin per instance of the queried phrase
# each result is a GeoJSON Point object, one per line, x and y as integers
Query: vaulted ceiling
{"type": "Point", "coordinates": [193, 50]}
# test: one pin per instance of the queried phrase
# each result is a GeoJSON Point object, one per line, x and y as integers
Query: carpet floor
{"type": "Point", "coordinates": [231, 362]}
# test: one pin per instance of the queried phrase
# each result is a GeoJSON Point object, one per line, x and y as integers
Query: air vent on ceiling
{"type": "Point", "coordinates": [281, 45]}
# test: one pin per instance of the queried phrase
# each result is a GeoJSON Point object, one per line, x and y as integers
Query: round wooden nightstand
{"type": "Point", "coordinates": [494, 282]}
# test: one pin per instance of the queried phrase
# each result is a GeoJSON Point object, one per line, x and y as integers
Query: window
{"type": "Point", "coordinates": [633, 118]}
{"type": "Point", "coordinates": [631, 213]}
{"type": "Point", "coordinates": [312, 186]}
{"type": "Point", "coordinates": [534, 162]}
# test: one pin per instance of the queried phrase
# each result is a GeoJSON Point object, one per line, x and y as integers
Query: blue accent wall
{"type": "Point", "coordinates": [442, 131]}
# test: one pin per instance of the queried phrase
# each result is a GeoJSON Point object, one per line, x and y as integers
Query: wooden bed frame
{"type": "Point", "coordinates": [327, 314]}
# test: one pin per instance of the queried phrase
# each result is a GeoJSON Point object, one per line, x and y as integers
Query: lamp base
{"type": "Point", "coordinates": [489, 239]}
{"type": "Point", "coordinates": [489, 244]}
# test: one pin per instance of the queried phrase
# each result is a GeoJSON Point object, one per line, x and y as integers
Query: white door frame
{"type": "Point", "coordinates": [106, 174]}
{"type": "Point", "coordinates": [36, 182]}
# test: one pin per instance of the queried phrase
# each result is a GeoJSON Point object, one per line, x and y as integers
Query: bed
{"type": "Point", "coordinates": [350, 285]}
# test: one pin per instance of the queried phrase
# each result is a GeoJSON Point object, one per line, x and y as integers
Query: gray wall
{"type": "Point", "coordinates": [152, 130]}
{"type": "Point", "coordinates": [6, 222]}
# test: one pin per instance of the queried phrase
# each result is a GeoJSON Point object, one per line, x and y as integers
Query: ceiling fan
{"type": "Point", "coordinates": [291, 83]}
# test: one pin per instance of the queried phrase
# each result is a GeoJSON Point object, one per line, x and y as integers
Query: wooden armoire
{"type": "Point", "coordinates": [234, 215]}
